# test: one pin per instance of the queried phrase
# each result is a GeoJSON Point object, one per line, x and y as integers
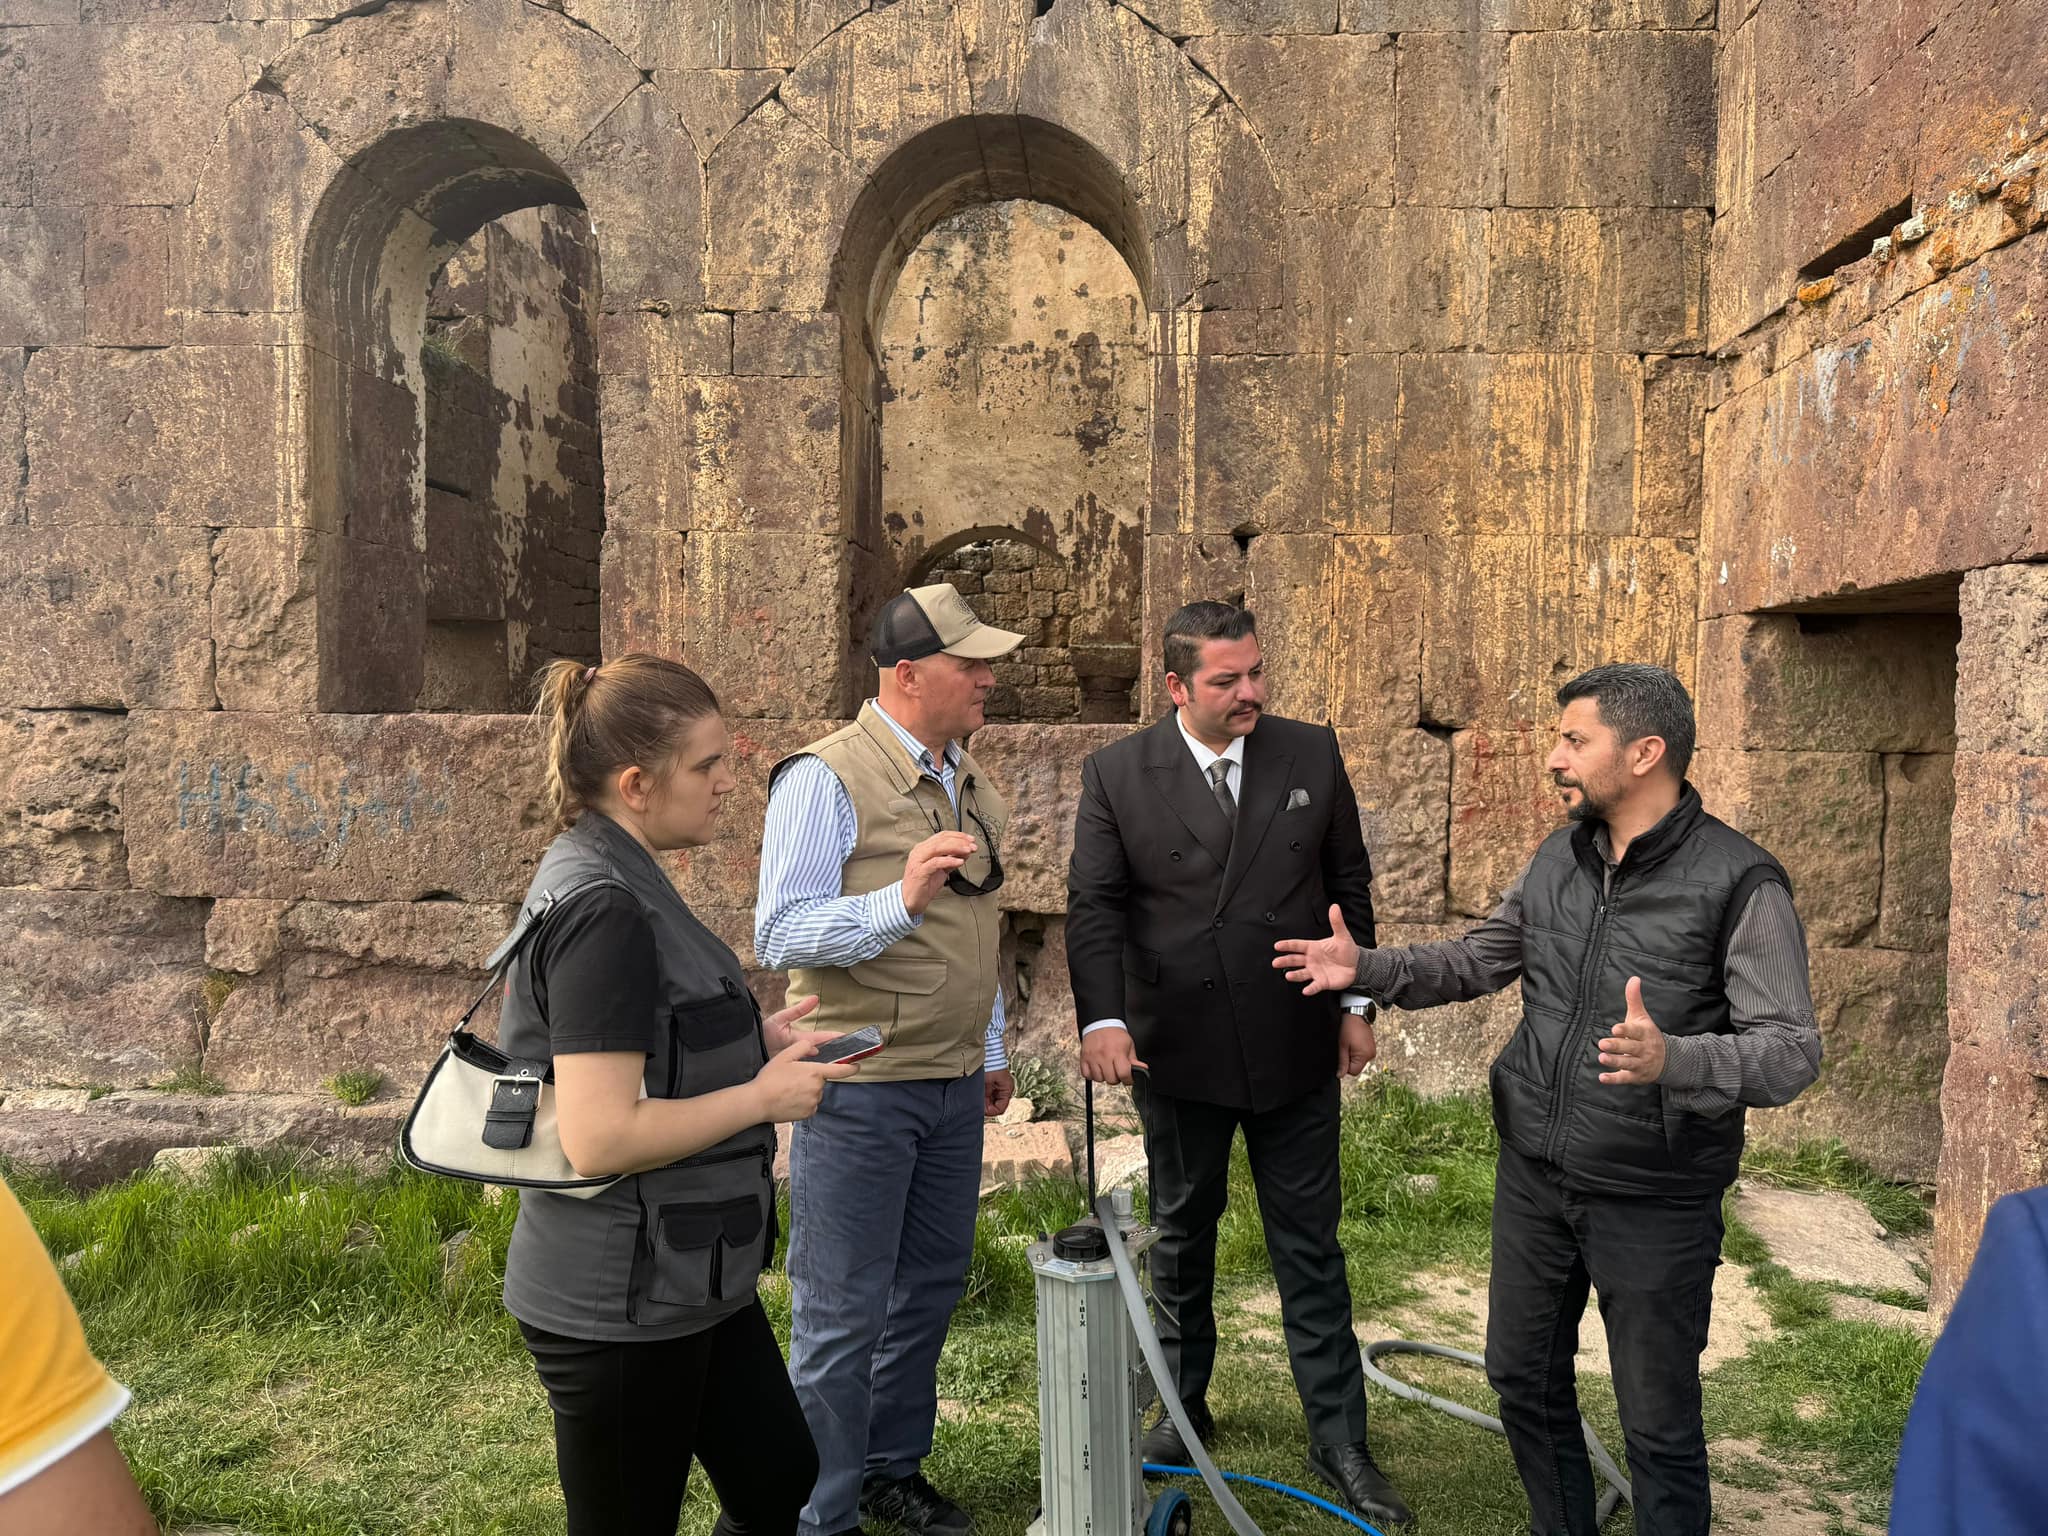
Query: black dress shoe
{"type": "Point", "coordinates": [1163, 1446]}
{"type": "Point", "coordinates": [1349, 1469]}
{"type": "Point", "coordinates": [914, 1505]}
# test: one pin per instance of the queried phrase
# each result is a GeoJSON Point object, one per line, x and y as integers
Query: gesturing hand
{"type": "Point", "coordinates": [1636, 1048]}
{"type": "Point", "coordinates": [776, 1033]}
{"type": "Point", "coordinates": [1322, 965]}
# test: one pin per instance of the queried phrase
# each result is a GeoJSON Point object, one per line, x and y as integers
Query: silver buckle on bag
{"type": "Point", "coordinates": [508, 1121]}
{"type": "Point", "coordinates": [516, 1100]}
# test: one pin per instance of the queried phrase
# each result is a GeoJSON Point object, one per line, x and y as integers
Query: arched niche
{"type": "Point", "coordinates": [957, 165]}
{"type": "Point", "coordinates": [410, 564]}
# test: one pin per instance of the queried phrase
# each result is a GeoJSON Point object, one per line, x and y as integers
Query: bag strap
{"type": "Point", "coordinates": [532, 915]}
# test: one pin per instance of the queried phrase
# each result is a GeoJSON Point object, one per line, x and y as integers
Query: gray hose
{"type": "Point", "coordinates": [1162, 1379]}
{"type": "Point", "coordinates": [1133, 1291]}
{"type": "Point", "coordinates": [1611, 1496]}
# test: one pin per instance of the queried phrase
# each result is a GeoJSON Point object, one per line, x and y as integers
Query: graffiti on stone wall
{"type": "Point", "coordinates": [227, 796]}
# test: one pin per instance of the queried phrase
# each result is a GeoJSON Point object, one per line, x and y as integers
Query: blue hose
{"type": "Point", "coordinates": [1266, 1482]}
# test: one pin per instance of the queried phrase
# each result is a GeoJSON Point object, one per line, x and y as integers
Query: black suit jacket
{"type": "Point", "coordinates": [1171, 920]}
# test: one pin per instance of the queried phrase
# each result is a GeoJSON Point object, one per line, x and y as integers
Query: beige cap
{"type": "Point", "coordinates": [927, 620]}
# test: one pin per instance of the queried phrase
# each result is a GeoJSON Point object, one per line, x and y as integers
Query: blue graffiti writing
{"type": "Point", "coordinates": [221, 797]}
{"type": "Point", "coordinates": [207, 800]}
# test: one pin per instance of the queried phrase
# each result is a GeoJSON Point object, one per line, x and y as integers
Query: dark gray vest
{"type": "Point", "coordinates": [672, 1250]}
{"type": "Point", "coordinates": [1666, 918]}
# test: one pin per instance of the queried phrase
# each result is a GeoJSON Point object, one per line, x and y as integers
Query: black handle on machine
{"type": "Point", "coordinates": [1088, 1114]}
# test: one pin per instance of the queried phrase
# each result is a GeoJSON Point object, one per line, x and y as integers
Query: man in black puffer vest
{"type": "Point", "coordinates": [1664, 987]}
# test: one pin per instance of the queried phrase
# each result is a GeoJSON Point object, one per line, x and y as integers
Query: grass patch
{"type": "Point", "coordinates": [300, 1365]}
{"type": "Point", "coordinates": [1829, 1396]}
{"type": "Point", "coordinates": [1792, 1303]}
{"type": "Point", "coordinates": [440, 347]}
{"type": "Point", "coordinates": [1906, 1301]}
{"type": "Point", "coordinates": [1392, 1226]}
{"type": "Point", "coordinates": [167, 1254]}
{"type": "Point", "coordinates": [355, 1087]}
{"type": "Point", "coordinates": [192, 1078]}
{"type": "Point", "coordinates": [216, 989]}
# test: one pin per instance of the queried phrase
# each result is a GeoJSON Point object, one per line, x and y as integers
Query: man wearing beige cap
{"type": "Point", "coordinates": [879, 866]}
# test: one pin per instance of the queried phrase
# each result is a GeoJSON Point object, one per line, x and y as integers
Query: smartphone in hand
{"type": "Point", "coordinates": [850, 1047]}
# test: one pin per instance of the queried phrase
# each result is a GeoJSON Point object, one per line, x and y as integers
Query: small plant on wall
{"type": "Point", "coordinates": [357, 1086]}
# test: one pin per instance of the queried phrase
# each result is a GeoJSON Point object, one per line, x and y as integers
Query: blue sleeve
{"type": "Point", "coordinates": [995, 1055]}
{"type": "Point", "coordinates": [800, 915]}
{"type": "Point", "coordinates": [1972, 1459]}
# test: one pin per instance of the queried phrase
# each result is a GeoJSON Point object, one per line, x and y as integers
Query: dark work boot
{"type": "Point", "coordinates": [1163, 1446]}
{"type": "Point", "coordinates": [1350, 1470]}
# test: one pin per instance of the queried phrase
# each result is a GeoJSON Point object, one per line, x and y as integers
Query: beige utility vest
{"type": "Point", "coordinates": [932, 991]}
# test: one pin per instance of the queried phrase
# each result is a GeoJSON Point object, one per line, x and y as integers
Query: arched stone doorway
{"type": "Point", "coordinates": [1016, 432]}
{"type": "Point", "coordinates": [939, 352]}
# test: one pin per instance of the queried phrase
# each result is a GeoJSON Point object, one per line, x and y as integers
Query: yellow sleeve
{"type": "Point", "coordinates": [54, 1396]}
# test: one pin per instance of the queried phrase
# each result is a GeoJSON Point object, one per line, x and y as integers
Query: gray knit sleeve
{"type": "Point", "coordinates": [1774, 1053]}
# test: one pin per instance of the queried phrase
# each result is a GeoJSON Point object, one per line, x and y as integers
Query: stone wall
{"type": "Point", "coordinates": [1831, 740]}
{"type": "Point", "coordinates": [1422, 296]}
{"type": "Point", "coordinates": [1878, 273]}
{"type": "Point", "coordinates": [1021, 588]}
{"type": "Point", "coordinates": [1994, 1096]}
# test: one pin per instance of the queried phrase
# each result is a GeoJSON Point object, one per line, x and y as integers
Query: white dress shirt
{"type": "Point", "coordinates": [1232, 754]}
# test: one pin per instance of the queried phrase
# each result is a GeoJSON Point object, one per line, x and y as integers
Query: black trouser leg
{"type": "Point", "coordinates": [1294, 1157]}
{"type": "Point", "coordinates": [629, 1417]}
{"type": "Point", "coordinates": [753, 1441]}
{"type": "Point", "coordinates": [1535, 1298]}
{"type": "Point", "coordinates": [1187, 1153]}
{"type": "Point", "coordinates": [1652, 1260]}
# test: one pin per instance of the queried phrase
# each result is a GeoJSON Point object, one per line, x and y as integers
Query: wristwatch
{"type": "Point", "coordinates": [1366, 1009]}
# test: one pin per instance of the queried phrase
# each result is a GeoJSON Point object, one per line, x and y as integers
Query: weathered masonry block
{"type": "Point", "coordinates": [1831, 739]}
{"type": "Point", "coordinates": [1995, 1092]}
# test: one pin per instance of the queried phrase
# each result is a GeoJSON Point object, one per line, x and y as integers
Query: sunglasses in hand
{"type": "Point", "coordinates": [956, 880]}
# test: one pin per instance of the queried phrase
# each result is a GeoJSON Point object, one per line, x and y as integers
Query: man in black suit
{"type": "Point", "coordinates": [1198, 841]}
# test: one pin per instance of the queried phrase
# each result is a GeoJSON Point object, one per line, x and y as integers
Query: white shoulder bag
{"type": "Point", "coordinates": [490, 1117]}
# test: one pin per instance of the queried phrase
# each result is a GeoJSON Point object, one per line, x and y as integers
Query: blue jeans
{"type": "Point", "coordinates": [884, 1184]}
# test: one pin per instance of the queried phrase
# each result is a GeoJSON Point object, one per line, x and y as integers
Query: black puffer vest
{"type": "Point", "coordinates": [1666, 918]}
{"type": "Point", "coordinates": [672, 1250]}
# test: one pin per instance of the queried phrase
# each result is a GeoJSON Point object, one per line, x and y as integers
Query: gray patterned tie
{"type": "Point", "coordinates": [1219, 782]}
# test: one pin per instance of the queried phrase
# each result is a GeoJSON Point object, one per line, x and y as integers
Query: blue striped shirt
{"type": "Point", "coordinates": [801, 916]}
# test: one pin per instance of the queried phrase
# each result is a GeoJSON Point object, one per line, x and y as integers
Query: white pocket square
{"type": "Point", "coordinates": [1296, 799]}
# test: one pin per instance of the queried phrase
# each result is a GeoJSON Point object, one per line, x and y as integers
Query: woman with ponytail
{"type": "Point", "coordinates": [639, 1304]}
